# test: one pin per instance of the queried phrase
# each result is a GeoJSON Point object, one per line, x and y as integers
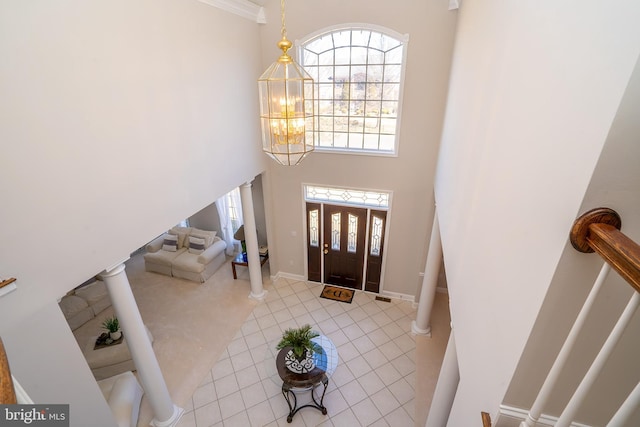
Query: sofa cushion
{"type": "Point", "coordinates": [196, 245]}
{"type": "Point", "coordinates": [188, 262]}
{"type": "Point", "coordinates": [170, 243]}
{"type": "Point", "coordinates": [163, 257]}
{"type": "Point", "coordinates": [182, 233]}
{"type": "Point", "coordinates": [71, 305]}
{"type": "Point", "coordinates": [208, 236]}
{"type": "Point", "coordinates": [123, 393]}
{"type": "Point", "coordinates": [93, 292]}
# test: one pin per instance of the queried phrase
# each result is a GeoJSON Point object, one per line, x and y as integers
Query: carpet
{"type": "Point", "coordinates": [337, 294]}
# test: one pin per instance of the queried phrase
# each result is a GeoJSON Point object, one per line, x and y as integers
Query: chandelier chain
{"type": "Point", "coordinates": [284, 29]}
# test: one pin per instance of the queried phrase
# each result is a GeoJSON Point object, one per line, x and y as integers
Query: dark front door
{"type": "Point", "coordinates": [343, 245]}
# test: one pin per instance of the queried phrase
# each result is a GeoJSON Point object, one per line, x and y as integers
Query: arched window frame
{"type": "Point", "coordinates": [325, 120]}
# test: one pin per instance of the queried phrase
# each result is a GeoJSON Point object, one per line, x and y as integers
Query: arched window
{"type": "Point", "coordinates": [358, 70]}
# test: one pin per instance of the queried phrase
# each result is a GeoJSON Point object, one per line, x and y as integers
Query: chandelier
{"type": "Point", "coordinates": [286, 107]}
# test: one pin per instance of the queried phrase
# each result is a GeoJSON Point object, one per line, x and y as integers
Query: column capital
{"type": "Point", "coordinates": [114, 269]}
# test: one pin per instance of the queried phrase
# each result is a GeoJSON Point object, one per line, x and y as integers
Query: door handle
{"type": "Point", "coordinates": [326, 251]}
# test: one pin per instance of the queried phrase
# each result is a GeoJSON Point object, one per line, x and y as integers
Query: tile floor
{"type": "Point", "coordinates": [373, 384]}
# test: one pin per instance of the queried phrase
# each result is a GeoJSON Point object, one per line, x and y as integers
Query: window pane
{"type": "Point", "coordinates": [376, 236]}
{"type": "Point", "coordinates": [356, 140]}
{"type": "Point", "coordinates": [357, 74]}
{"type": "Point", "coordinates": [360, 37]}
{"type": "Point", "coordinates": [394, 56]}
{"type": "Point", "coordinates": [359, 55]}
{"type": "Point", "coordinates": [325, 75]}
{"type": "Point", "coordinates": [314, 228]}
{"type": "Point", "coordinates": [347, 196]}
{"type": "Point", "coordinates": [352, 237]}
{"type": "Point", "coordinates": [335, 231]}
{"type": "Point", "coordinates": [392, 73]}
{"type": "Point", "coordinates": [325, 91]}
{"type": "Point", "coordinates": [386, 142]}
{"type": "Point", "coordinates": [371, 141]}
{"type": "Point", "coordinates": [340, 139]}
{"type": "Point", "coordinates": [343, 55]}
{"type": "Point", "coordinates": [342, 38]}
{"type": "Point", "coordinates": [326, 139]}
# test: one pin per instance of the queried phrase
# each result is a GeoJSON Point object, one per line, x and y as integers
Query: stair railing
{"type": "Point", "coordinates": [596, 231]}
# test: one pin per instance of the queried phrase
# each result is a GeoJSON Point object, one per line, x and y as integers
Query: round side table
{"type": "Point", "coordinates": [293, 383]}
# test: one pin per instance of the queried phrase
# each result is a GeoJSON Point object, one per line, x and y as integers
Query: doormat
{"type": "Point", "coordinates": [337, 294]}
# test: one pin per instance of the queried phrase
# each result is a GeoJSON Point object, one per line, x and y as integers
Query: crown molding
{"type": "Point", "coordinates": [243, 8]}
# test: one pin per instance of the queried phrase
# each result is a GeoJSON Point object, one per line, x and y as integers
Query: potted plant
{"type": "Point", "coordinates": [112, 325]}
{"type": "Point", "coordinates": [299, 358]}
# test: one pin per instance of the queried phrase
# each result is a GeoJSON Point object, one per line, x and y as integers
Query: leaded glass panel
{"type": "Point", "coordinates": [347, 196]}
{"type": "Point", "coordinates": [314, 239]}
{"type": "Point", "coordinates": [376, 235]}
{"type": "Point", "coordinates": [352, 237]}
{"type": "Point", "coordinates": [335, 231]}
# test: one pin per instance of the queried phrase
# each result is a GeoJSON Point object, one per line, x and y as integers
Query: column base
{"type": "Point", "coordinates": [415, 329]}
{"type": "Point", "coordinates": [258, 297]}
{"type": "Point", "coordinates": [172, 421]}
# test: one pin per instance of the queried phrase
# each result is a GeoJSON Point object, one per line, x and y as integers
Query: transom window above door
{"type": "Point", "coordinates": [358, 70]}
{"type": "Point", "coordinates": [368, 198]}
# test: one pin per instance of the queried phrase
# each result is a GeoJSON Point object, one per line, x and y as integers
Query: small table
{"type": "Point", "coordinates": [292, 383]}
{"type": "Point", "coordinates": [239, 260]}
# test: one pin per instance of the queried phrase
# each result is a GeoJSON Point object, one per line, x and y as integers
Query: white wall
{"type": "Point", "coordinates": [534, 89]}
{"type": "Point", "coordinates": [616, 184]}
{"type": "Point", "coordinates": [409, 176]}
{"type": "Point", "coordinates": [118, 119]}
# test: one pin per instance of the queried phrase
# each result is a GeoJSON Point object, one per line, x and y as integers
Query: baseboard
{"type": "Point", "coordinates": [544, 420]}
{"type": "Point", "coordinates": [290, 276]}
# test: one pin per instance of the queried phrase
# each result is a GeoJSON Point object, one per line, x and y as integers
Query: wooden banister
{"type": "Point", "coordinates": [598, 230]}
{"type": "Point", "coordinates": [486, 419]}
{"type": "Point", "coordinates": [4, 283]}
{"type": "Point", "coordinates": [7, 392]}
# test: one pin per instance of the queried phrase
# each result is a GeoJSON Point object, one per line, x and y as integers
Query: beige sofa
{"type": "Point", "coordinates": [186, 252]}
{"type": "Point", "coordinates": [83, 304]}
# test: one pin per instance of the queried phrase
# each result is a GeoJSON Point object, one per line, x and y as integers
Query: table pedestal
{"type": "Point", "coordinates": [290, 390]}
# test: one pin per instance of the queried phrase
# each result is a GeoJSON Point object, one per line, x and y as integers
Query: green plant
{"type": "Point", "coordinates": [111, 324]}
{"type": "Point", "coordinates": [299, 339]}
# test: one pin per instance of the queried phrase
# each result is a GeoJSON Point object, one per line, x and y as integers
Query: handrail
{"type": "Point", "coordinates": [4, 283]}
{"type": "Point", "coordinates": [486, 419]}
{"type": "Point", "coordinates": [7, 392]}
{"type": "Point", "coordinates": [598, 230]}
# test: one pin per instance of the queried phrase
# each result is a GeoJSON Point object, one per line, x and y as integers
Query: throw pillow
{"type": "Point", "coordinates": [170, 243]}
{"type": "Point", "coordinates": [208, 236]}
{"type": "Point", "coordinates": [182, 233]}
{"type": "Point", "coordinates": [196, 245]}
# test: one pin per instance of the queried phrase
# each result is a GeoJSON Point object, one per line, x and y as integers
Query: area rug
{"type": "Point", "coordinates": [337, 294]}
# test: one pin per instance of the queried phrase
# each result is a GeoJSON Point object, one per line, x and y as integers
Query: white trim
{"type": "Point", "coordinates": [8, 288]}
{"type": "Point", "coordinates": [243, 8]}
{"type": "Point", "coordinates": [454, 4]}
{"type": "Point", "coordinates": [285, 275]}
{"type": "Point", "coordinates": [404, 38]}
{"type": "Point", "coordinates": [544, 420]}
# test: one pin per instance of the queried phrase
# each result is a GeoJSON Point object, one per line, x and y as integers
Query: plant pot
{"type": "Point", "coordinates": [115, 335]}
{"type": "Point", "coordinates": [299, 366]}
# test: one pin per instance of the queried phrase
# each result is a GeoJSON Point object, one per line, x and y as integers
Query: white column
{"type": "Point", "coordinates": [446, 387]}
{"type": "Point", "coordinates": [422, 324]}
{"type": "Point", "coordinates": [165, 412]}
{"type": "Point", "coordinates": [251, 241]}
